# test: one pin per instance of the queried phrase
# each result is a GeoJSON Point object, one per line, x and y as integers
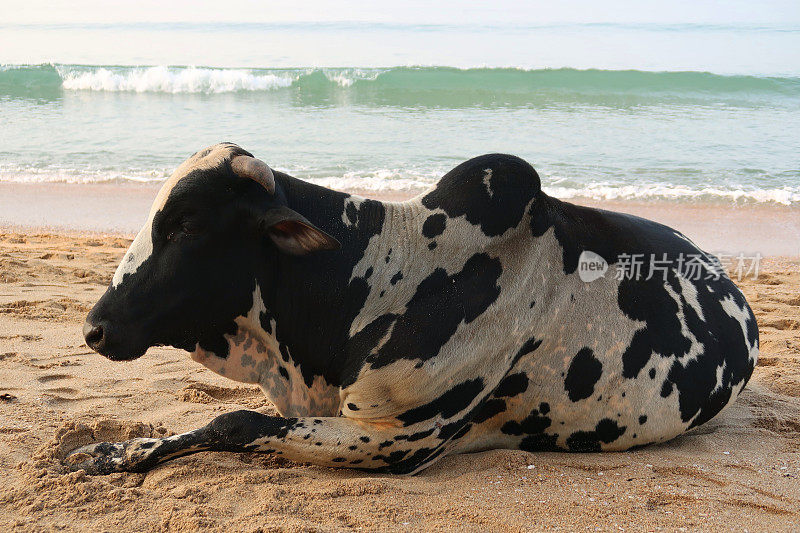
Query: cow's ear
{"type": "Point", "coordinates": [293, 234]}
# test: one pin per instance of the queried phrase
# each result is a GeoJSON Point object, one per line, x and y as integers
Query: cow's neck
{"type": "Point", "coordinates": [314, 300]}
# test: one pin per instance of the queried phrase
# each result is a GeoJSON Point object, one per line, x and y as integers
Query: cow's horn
{"type": "Point", "coordinates": [249, 167]}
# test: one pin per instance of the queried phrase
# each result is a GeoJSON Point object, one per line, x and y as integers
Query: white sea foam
{"type": "Point", "coordinates": [173, 80]}
{"type": "Point", "coordinates": [13, 174]}
{"type": "Point", "coordinates": [352, 181]}
{"type": "Point", "coordinates": [346, 77]}
{"type": "Point", "coordinates": [176, 80]}
{"type": "Point", "coordinates": [606, 191]}
{"type": "Point", "coordinates": [418, 180]}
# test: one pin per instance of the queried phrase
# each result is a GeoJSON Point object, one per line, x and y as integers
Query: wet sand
{"type": "Point", "coordinates": [123, 208]}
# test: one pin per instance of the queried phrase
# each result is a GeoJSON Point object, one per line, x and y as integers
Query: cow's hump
{"type": "Point", "coordinates": [490, 191]}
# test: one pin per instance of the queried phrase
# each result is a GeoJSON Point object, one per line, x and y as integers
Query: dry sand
{"type": "Point", "coordinates": [741, 471]}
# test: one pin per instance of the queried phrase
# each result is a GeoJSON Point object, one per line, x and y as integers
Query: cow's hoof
{"type": "Point", "coordinates": [98, 459]}
{"type": "Point", "coordinates": [107, 457]}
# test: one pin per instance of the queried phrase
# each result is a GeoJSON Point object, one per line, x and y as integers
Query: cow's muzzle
{"type": "Point", "coordinates": [112, 341]}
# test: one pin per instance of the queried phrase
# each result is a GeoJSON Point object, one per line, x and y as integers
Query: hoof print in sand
{"type": "Point", "coordinates": [93, 447]}
{"type": "Point", "coordinates": [204, 393]}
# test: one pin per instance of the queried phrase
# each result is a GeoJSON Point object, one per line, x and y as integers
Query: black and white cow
{"type": "Point", "coordinates": [389, 335]}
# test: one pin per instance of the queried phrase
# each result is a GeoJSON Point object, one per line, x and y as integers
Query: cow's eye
{"type": "Point", "coordinates": [190, 228]}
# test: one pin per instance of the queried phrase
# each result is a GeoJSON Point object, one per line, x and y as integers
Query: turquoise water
{"type": "Point", "coordinates": [676, 112]}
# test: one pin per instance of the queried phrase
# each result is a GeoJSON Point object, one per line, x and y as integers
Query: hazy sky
{"type": "Point", "coordinates": [410, 11]}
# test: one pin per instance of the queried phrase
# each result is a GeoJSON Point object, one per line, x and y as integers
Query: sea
{"type": "Point", "coordinates": [672, 112]}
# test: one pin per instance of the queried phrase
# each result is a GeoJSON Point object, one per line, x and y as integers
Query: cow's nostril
{"type": "Point", "coordinates": [94, 335]}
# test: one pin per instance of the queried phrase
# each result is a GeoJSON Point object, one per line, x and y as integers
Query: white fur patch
{"type": "Point", "coordinates": [141, 248]}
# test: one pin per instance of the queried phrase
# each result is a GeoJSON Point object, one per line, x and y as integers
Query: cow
{"type": "Point", "coordinates": [391, 334]}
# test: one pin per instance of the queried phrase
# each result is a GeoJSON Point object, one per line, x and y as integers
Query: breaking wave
{"type": "Point", "coordinates": [521, 82]}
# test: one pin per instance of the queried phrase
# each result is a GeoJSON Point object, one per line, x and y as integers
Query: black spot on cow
{"type": "Point", "coordinates": [512, 385]}
{"type": "Point", "coordinates": [544, 408]}
{"type": "Point", "coordinates": [397, 277]}
{"type": "Point", "coordinates": [364, 439]}
{"type": "Point", "coordinates": [215, 341]}
{"type": "Point", "coordinates": [407, 464]}
{"type": "Point", "coordinates": [490, 409]}
{"type": "Point", "coordinates": [434, 225]}
{"type": "Point", "coordinates": [447, 405]}
{"type": "Point", "coordinates": [461, 432]}
{"type": "Point", "coordinates": [529, 346]}
{"type": "Point", "coordinates": [283, 372]}
{"type": "Point", "coordinates": [606, 432]}
{"type": "Point", "coordinates": [533, 429]}
{"type": "Point", "coordinates": [368, 273]}
{"type": "Point", "coordinates": [652, 373]}
{"type": "Point", "coordinates": [432, 245]}
{"type": "Point", "coordinates": [642, 419]}
{"type": "Point", "coordinates": [385, 444]}
{"type": "Point", "coordinates": [393, 457]}
{"type": "Point", "coordinates": [542, 442]}
{"type": "Point", "coordinates": [583, 373]}
{"type": "Point", "coordinates": [419, 435]}
{"type": "Point", "coordinates": [490, 191]}
{"type": "Point", "coordinates": [458, 298]}
{"type": "Point", "coordinates": [662, 331]}
{"type": "Point", "coordinates": [666, 388]}
{"type": "Point", "coordinates": [388, 256]}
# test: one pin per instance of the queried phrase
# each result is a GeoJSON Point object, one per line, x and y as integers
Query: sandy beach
{"type": "Point", "coordinates": [684, 113]}
{"type": "Point", "coordinates": [740, 471]}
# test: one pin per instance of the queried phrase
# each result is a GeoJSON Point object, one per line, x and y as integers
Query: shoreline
{"type": "Point", "coordinates": [120, 210]}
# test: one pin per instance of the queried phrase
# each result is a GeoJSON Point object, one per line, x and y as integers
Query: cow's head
{"type": "Point", "coordinates": [217, 222]}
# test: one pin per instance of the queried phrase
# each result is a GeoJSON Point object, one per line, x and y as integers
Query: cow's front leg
{"type": "Point", "coordinates": [327, 441]}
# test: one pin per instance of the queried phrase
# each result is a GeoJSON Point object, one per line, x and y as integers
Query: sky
{"type": "Point", "coordinates": [783, 12]}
